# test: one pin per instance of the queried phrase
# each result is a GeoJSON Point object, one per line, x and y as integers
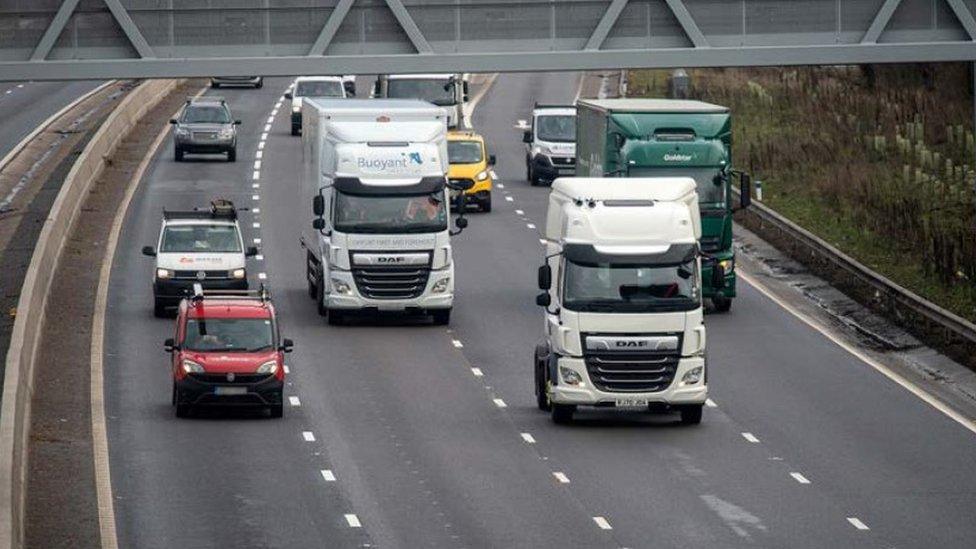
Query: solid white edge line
{"type": "Point", "coordinates": [100, 450]}
{"type": "Point", "coordinates": [500, 403]}
{"type": "Point", "coordinates": [856, 523]}
{"type": "Point", "coordinates": [561, 477]}
{"type": "Point", "coordinates": [353, 521]}
{"type": "Point", "coordinates": [750, 437]}
{"type": "Point", "coordinates": [603, 523]}
{"type": "Point", "coordinates": [527, 437]}
{"type": "Point", "coordinates": [309, 436]}
{"type": "Point", "coordinates": [881, 368]}
{"type": "Point", "coordinates": [800, 478]}
{"type": "Point", "coordinates": [294, 401]}
{"type": "Point", "coordinates": [328, 475]}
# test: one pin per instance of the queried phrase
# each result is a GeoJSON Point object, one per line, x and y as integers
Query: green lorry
{"type": "Point", "coordinates": [671, 138]}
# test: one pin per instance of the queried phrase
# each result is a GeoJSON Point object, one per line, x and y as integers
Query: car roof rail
{"type": "Point", "coordinates": [205, 99]}
{"type": "Point", "coordinates": [198, 294]}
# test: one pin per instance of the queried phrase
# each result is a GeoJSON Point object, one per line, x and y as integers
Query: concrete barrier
{"type": "Point", "coordinates": [18, 384]}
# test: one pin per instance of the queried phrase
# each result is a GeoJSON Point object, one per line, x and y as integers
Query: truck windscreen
{"type": "Point", "coordinates": [622, 288]}
{"type": "Point", "coordinates": [710, 195]}
{"type": "Point", "coordinates": [425, 213]}
{"type": "Point", "coordinates": [556, 128]}
{"type": "Point", "coordinates": [438, 92]}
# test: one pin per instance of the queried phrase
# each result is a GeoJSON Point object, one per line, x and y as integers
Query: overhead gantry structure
{"type": "Point", "coordinates": [80, 39]}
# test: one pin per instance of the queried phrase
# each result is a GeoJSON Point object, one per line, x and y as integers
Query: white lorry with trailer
{"type": "Point", "coordinates": [622, 293]}
{"type": "Point", "coordinates": [377, 223]}
{"type": "Point", "coordinates": [448, 91]}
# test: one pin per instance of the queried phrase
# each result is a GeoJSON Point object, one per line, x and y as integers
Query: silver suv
{"type": "Point", "coordinates": [205, 126]}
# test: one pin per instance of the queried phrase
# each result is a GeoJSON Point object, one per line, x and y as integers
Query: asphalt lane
{"type": "Point", "coordinates": [424, 456]}
{"type": "Point", "coordinates": [25, 105]}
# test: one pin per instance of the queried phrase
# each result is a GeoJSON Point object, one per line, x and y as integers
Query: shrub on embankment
{"type": "Point", "coordinates": [877, 160]}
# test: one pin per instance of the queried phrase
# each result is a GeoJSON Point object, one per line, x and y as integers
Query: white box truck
{"type": "Point", "coordinates": [624, 325]}
{"type": "Point", "coordinates": [448, 91]}
{"type": "Point", "coordinates": [377, 226]}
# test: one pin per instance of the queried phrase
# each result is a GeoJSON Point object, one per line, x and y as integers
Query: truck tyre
{"type": "Point", "coordinates": [232, 155]}
{"type": "Point", "coordinates": [313, 290]}
{"type": "Point", "coordinates": [541, 386]}
{"type": "Point", "coordinates": [178, 154]}
{"type": "Point", "coordinates": [159, 309]}
{"type": "Point", "coordinates": [320, 296]}
{"type": "Point", "coordinates": [533, 177]}
{"type": "Point", "coordinates": [691, 414]}
{"type": "Point", "coordinates": [336, 317]}
{"type": "Point", "coordinates": [295, 129]}
{"type": "Point", "coordinates": [722, 304]}
{"type": "Point", "coordinates": [442, 317]}
{"type": "Point", "coordinates": [182, 410]}
{"type": "Point", "coordinates": [259, 85]}
{"type": "Point", "coordinates": [562, 414]}
{"type": "Point", "coordinates": [276, 410]}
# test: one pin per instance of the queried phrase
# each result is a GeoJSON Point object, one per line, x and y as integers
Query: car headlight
{"type": "Point", "coordinates": [570, 376]}
{"type": "Point", "coordinates": [340, 287]}
{"type": "Point", "coordinates": [182, 132]}
{"type": "Point", "coordinates": [163, 274]}
{"type": "Point", "coordinates": [191, 367]}
{"type": "Point", "coordinates": [728, 265]}
{"type": "Point", "coordinates": [693, 375]}
{"type": "Point", "coordinates": [482, 176]}
{"type": "Point", "coordinates": [227, 133]}
{"type": "Point", "coordinates": [441, 285]}
{"type": "Point", "coordinates": [239, 274]}
{"type": "Point", "coordinates": [269, 367]}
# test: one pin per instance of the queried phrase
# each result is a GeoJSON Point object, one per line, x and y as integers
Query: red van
{"type": "Point", "coordinates": [227, 351]}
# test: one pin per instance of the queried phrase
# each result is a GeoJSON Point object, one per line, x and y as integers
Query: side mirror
{"type": "Point", "coordinates": [289, 95]}
{"type": "Point", "coordinates": [172, 121]}
{"type": "Point", "coordinates": [287, 345]}
{"type": "Point", "coordinates": [718, 276]}
{"type": "Point", "coordinates": [527, 136]}
{"type": "Point", "coordinates": [545, 277]}
{"type": "Point", "coordinates": [169, 345]}
{"type": "Point", "coordinates": [492, 160]}
{"type": "Point", "coordinates": [237, 122]}
{"type": "Point", "coordinates": [149, 250]}
{"type": "Point", "coordinates": [543, 300]}
{"type": "Point", "coordinates": [318, 224]}
{"type": "Point", "coordinates": [318, 205]}
{"type": "Point", "coordinates": [251, 251]}
{"type": "Point", "coordinates": [461, 223]}
{"type": "Point", "coordinates": [745, 190]}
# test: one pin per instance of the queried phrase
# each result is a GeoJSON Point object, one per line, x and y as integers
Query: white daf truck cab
{"type": "Point", "coordinates": [448, 91]}
{"type": "Point", "coordinates": [377, 213]}
{"type": "Point", "coordinates": [622, 294]}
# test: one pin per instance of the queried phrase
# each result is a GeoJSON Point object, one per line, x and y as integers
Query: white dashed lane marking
{"type": "Point", "coordinates": [264, 136]}
{"type": "Point", "coordinates": [500, 403]}
{"type": "Point", "coordinates": [262, 276]}
{"type": "Point", "coordinates": [256, 174]}
{"type": "Point", "coordinates": [293, 400]}
{"type": "Point", "coordinates": [261, 145]}
{"type": "Point", "coordinates": [856, 523]}
{"type": "Point", "coordinates": [353, 521]}
{"type": "Point", "coordinates": [519, 212]}
{"type": "Point", "coordinates": [710, 403]}
{"type": "Point", "coordinates": [259, 155]}
{"type": "Point", "coordinates": [271, 118]}
{"type": "Point", "coordinates": [603, 523]}
{"type": "Point", "coordinates": [457, 343]}
{"type": "Point", "coordinates": [530, 225]}
{"type": "Point", "coordinates": [527, 437]}
{"type": "Point", "coordinates": [308, 436]}
{"type": "Point", "coordinates": [561, 477]}
{"type": "Point", "coordinates": [259, 257]}
{"type": "Point", "coordinates": [477, 372]}
{"type": "Point", "coordinates": [750, 437]}
{"type": "Point", "coordinates": [328, 475]}
{"type": "Point", "coordinates": [500, 186]}
{"type": "Point", "coordinates": [257, 165]}
{"type": "Point", "coordinates": [257, 240]}
{"type": "Point", "coordinates": [267, 127]}
{"type": "Point", "coordinates": [256, 210]}
{"type": "Point", "coordinates": [256, 225]}
{"type": "Point", "coordinates": [800, 478]}
{"type": "Point", "coordinates": [255, 197]}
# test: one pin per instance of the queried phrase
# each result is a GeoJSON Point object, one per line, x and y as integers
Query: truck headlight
{"type": "Point", "coordinates": [441, 285]}
{"type": "Point", "coordinates": [296, 108]}
{"type": "Point", "coordinates": [191, 367]}
{"type": "Point", "coordinates": [227, 133]}
{"type": "Point", "coordinates": [269, 367]}
{"type": "Point", "coordinates": [728, 265]}
{"type": "Point", "coordinates": [482, 176]}
{"type": "Point", "coordinates": [340, 287]}
{"type": "Point", "coordinates": [570, 376]}
{"type": "Point", "coordinates": [693, 375]}
{"type": "Point", "coordinates": [539, 149]}
{"type": "Point", "coordinates": [238, 274]}
{"type": "Point", "coordinates": [163, 274]}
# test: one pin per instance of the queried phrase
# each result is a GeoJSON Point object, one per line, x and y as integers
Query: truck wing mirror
{"type": "Point", "coordinates": [718, 276]}
{"type": "Point", "coordinates": [237, 122]}
{"type": "Point", "coordinates": [318, 205]}
{"type": "Point", "coordinates": [149, 250]}
{"type": "Point", "coordinates": [318, 224]}
{"type": "Point", "coordinates": [492, 160]}
{"type": "Point", "coordinates": [745, 190]}
{"type": "Point", "coordinates": [461, 223]}
{"type": "Point", "coordinates": [545, 277]}
{"type": "Point", "coordinates": [169, 345]}
{"type": "Point", "coordinates": [527, 136]}
{"type": "Point", "coordinates": [287, 345]}
{"type": "Point", "coordinates": [543, 300]}
{"type": "Point", "coordinates": [251, 251]}
{"type": "Point", "coordinates": [289, 96]}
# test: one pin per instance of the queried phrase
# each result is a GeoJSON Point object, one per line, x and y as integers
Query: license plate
{"type": "Point", "coordinates": [223, 391]}
{"type": "Point", "coordinates": [631, 403]}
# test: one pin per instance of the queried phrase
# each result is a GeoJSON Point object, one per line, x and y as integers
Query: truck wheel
{"type": "Point", "coordinates": [541, 396]}
{"type": "Point", "coordinates": [442, 317]}
{"type": "Point", "coordinates": [313, 290]}
{"type": "Point", "coordinates": [562, 414]}
{"type": "Point", "coordinates": [232, 155]}
{"type": "Point", "coordinates": [259, 85]}
{"type": "Point", "coordinates": [533, 177]}
{"type": "Point", "coordinates": [295, 129]}
{"type": "Point", "coordinates": [178, 154]}
{"type": "Point", "coordinates": [336, 317]}
{"type": "Point", "coordinates": [173, 399]}
{"type": "Point", "coordinates": [692, 414]}
{"type": "Point", "coordinates": [276, 410]}
{"type": "Point", "coordinates": [722, 304]}
{"type": "Point", "coordinates": [159, 309]}
{"type": "Point", "coordinates": [320, 297]}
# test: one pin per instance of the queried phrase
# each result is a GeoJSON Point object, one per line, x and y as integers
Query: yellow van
{"type": "Point", "coordinates": [470, 161]}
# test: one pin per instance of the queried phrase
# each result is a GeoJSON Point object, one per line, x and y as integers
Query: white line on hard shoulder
{"type": "Point", "coordinates": [519, 212]}
{"type": "Point", "coordinates": [856, 523]}
{"type": "Point", "coordinates": [500, 403]}
{"type": "Point", "coordinates": [308, 436]}
{"type": "Point", "coordinates": [710, 403]}
{"type": "Point", "coordinates": [457, 343]}
{"type": "Point", "coordinates": [353, 521]}
{"type": "Point", "coordinates": [262, 276]}
{"type": "Point", "coordinates": [328, 475]}
{"type": "Point", "coordinates": [603, 523]}
{"type": "Point", "coordinates": [527, 437]}
{"type": "Point", "coordinates": [293, 400]}
{"type": "Point", "coordinates": [561, 477]}
{"type": "Point", "coordinates": [750, 437]}
{"type": "Point", "coordinates": [510, 199]}
{"type": "Point", "coordinates": [800, 478]}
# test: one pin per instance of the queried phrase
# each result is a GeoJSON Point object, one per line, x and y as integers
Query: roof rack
{"type": "Point", "coordinates": [220, 208]}
{"type": "Point", "coordinates": [199, 295]}
{"type": "Point", "coordinates": [553, 106]}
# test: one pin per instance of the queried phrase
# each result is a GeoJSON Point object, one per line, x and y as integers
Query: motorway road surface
{"type": "Point", "coordinates": [410, 435]}
{"type": "Point", "coordinates": [25, 105]}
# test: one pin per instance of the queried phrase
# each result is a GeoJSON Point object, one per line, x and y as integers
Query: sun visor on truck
{"type": "Point", "coordinates": [587, 254]}
{"type": "Point", "coordinates": [355, 186]}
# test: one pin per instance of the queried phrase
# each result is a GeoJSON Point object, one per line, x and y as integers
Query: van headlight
{"type": "Point", "coordinates": [693, 375]}
{"type": "Point", "coordinates": [570, 376]}
{"type": "Point", "coordinates": [482, 176]}
{"type": "Point", "coordinates": [182, 132]}
{"type": "Point", "coordinates": [340, 287]}
{"type": "Point", "coordinates": [163, 274]}
{"type": "Point", "coordinates": [191, 367]}
{"type": "Point", "coordinates": [238, 274]}
{"type": "Point", "coordinates": [441, 285]}
{"type": "Point", "coordinates": [269, 367]}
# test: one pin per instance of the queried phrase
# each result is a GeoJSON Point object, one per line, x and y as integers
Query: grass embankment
{"type": "Point", "coordinates": [879, 163]}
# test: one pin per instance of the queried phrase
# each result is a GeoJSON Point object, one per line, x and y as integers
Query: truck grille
{"type": "Point", "coordinates": [563, 161]}
{"type": "Point", "coordinates": [632, 371]}
{"type": "Point", "coordinates": [391, 282]}
{"type": "Point", "coordinates": [207, 275]}
{"type": "Point", "coordinates": [711, 244]}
